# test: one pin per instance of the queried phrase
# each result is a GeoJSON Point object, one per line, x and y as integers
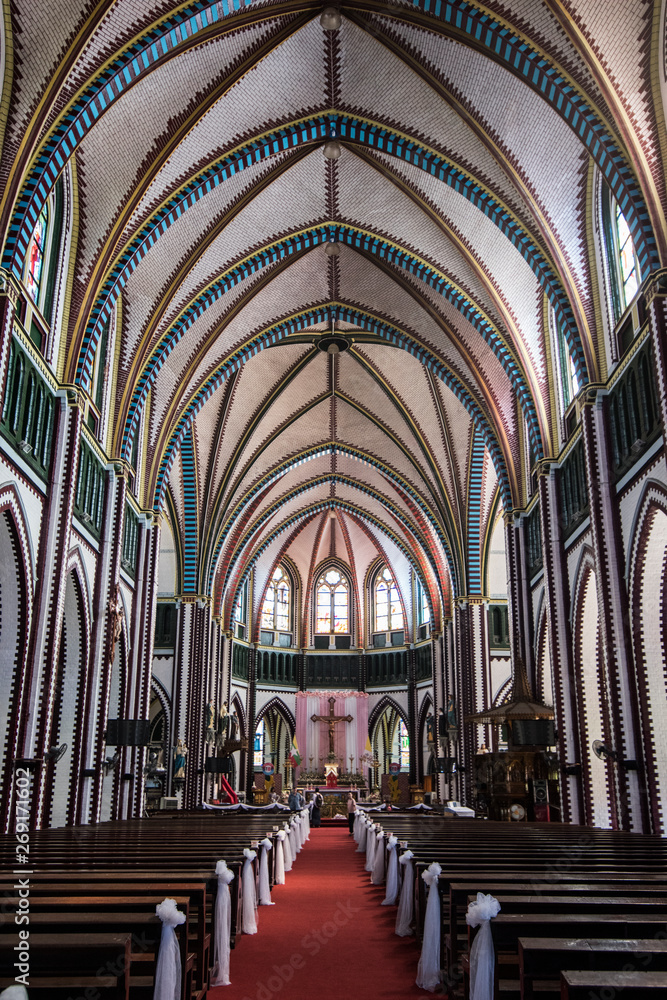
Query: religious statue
{"type": "Point", "coordinates": [332, 721]}
{"type": "Point", "coordinates": [430, 728]}
{"type": "Point", "coordinates": [180, 753]}
{"type": "Point", "coordinates": [211, 722]}
{"type": "Point", "coordinates": [451, 713]}
{"type": "Point", "coordinates": [117, 617]}
{"type": "Point", "coordinates": [223, 725]}
{"type": "Point", "coordinates": [234, 723]}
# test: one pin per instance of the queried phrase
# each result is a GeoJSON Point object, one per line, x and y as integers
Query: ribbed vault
{"type": "Point", "coordinates": [222, 239]}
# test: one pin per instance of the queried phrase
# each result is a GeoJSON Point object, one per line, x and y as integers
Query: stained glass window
{"type": "Point", "coordinates": [626, 257]}
{"type": "Point", "coordinates": [388, 609]}
{"type": "Point", "coordinates": [35, 260]}
{"type": "Point", "coordinates": [259, 744]}
{"type": "Point", "coordinates": [569, 383]}
{"type": "Point", "coordinates": [240, 606]}
{"type": "Point", "coordinates": [424, 609]}
{"type": "Point", "coordinates": [276, 607]}
{"type": "Point", "coordinates": [332, 607]}
{"type": "Point", "coordinates": [404, 745]}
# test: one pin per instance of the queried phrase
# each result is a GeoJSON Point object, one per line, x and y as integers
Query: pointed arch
{"type": "Point", "coordinates": [15, 572]}
{"type": "Point", "coordinates": [647, 579]}
{"type": "Point", "coordinates": [590, 692]}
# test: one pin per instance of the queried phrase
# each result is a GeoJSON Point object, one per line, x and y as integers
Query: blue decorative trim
{"type": "Point", "coordinates": [384, 331]}
{"type": "Point", "coordinates": [190, 518]}
{"type": "Point", "coordinates": [473, 534]}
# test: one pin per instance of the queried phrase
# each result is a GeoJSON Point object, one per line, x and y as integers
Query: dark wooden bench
{"type": "Point", "coordinates": [102, 962]}
{"type": "Point", "coordinates": [630, 985]}
{"type": "Point", "coordinates": [541, 960]}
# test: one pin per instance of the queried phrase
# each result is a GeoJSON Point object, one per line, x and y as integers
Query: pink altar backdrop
{"type": "Point", "coordinates": [313, 737]}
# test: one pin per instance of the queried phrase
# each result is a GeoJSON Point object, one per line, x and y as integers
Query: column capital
{"type": "Point", "coordinates": [655, 287]}
{"type": "Point", "coordinates": [9, 286]}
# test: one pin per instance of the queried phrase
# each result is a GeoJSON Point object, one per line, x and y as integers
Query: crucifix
{"type": "Point", "coordinates": [332, 721]}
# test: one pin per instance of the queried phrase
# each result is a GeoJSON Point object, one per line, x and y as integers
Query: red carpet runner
{"type": "Point", "coordinates": [326, 937]}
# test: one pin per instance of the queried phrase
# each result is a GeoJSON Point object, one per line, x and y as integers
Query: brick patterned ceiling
{"type": "Point", "coordinates": [459, 207]}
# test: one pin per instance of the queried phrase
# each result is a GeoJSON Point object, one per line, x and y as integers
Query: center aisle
{"type": "Point", "coordinates": [327, 935]}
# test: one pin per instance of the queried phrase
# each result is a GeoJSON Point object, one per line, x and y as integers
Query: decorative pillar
{"type": "Point", "coordinates": [251, 707]}
{"type": "Point", "coordinates": [412, 712]}
{"type": "Point", "coordinates": [520, 604]}
{"type": "Point", "coordinates": [560, 641]}
{"type": "Point", "coordinates": [103, 642]}
{"type": "Point", "coordinates": [438, 670]}
{"type": "Point", "coordinates": [621, 726]}
{"type": "Point", "coordinates": [656, 306]}
{"type": "Point", "coordinates": [471, 622]}
{"type": "Point", "coordinates": [197, 699]}
{"type": "Point", "coordinates": [49, 602]}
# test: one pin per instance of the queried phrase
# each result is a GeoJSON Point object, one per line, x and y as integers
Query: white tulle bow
{"type": "Point", "coordinates": [483, 908]}
{"type": "Point", "coordinates": [281, 834]}
{"type": "Point", "coordinates": [391, 843]}
{"type": "Point", "coordinates": [380, 836]}
{"type": "Point", "coordinates": [222, 926]}
{"type": "Point", "coordinates": [223, 872]}
{"type": "Point", "coordinates": [431, 874]}
{"type": "Point", "coordinates": [482, 953]}
{"type": "Point", "coordinates": [167, 984]}
{"type": "Point", "coordinates": [250, 855]}
{"type": "Point", "coordinates": [266, 843]}
{"type": "Point", "coordinates": [169, 914]}
{"type": "Point", "coordinates": [405, 857]}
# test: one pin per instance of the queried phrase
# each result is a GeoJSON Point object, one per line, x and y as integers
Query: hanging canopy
{"type": "Point", "coordinates": [520, 706]}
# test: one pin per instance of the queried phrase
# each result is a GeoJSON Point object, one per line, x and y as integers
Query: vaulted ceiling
{"type": "Point", "coordinates": [428, 250]}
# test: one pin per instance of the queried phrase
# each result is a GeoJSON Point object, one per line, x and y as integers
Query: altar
{"type": "Point", "coordinates": [335, 800]}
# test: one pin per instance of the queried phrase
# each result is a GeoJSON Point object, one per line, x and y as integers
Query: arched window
{"type": "Point", "coordinates": [276, 607]}
{"type": "Point", "coordinates": [241, 604]}
{"type": "Point", "coordinates": [565, 373]}
{"type": "Point", "coordinates": [35, 258]}
{"type": "Point", "coordinates": [332, 602]}
{"type": "Point", "coordinates": [627, 258]}
{"type": "Point", "coordinates": [260, 739]}
{"type": "Point", "coordinates": [404, 745]}
{"type": "Point", "coordinates": [624, 271]}
{"type": "Point", "coordinates": [388, 608]}
{"type": "Point", "coordinates": [422, 603]}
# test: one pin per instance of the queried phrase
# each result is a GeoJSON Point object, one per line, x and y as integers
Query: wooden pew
{"type": "Point", "coordinates": [631, 985]}
{"type": "Point", "coordinates": [541, 960]}
{"type": "Point", "coordinates": [101, 961]}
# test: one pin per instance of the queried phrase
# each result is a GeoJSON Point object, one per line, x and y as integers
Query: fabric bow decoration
{"type": "Point", "coordinates": [482, 954]}
{"type": "Point", "coordinates": [280, 857]}
{"type": "Point", "coordinates": [428, 971]}
{"type": "Point", "coordinates": [392, 873]}
{"type": "Point", "coordinates": [223, 926]}
{"type": "Point", "coordinates": [249, 893]}
{"type": "Point", "coordinates": [406, 903]}
{"type": "Point", "coordinates": [168, 970]}
{"type": "Point", "coordinates": [264, 884]}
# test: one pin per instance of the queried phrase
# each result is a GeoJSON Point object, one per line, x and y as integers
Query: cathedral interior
{"type": "Point", "coordinates": [333, 363]}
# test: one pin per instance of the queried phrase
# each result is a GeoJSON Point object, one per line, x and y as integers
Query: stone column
{"type": "Point", "coordinates": [621, 725]}
{"type": "Point", "coordinates": [471, 623]}
{"type": "Point", "coordinates": [520, 604]}
{"type": "Point", "coordinates": [251, 707]}
{"type": "Point", "coordinates": [412, 713]}
{"type": "Point", "coordinates": [560, 641]}
{"type": "Point", "coordinates": [49, 602]}
{"type": "Point", "coordinates": [656, 305]}
{"type": "Point", "coordinates": [102, 640]}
